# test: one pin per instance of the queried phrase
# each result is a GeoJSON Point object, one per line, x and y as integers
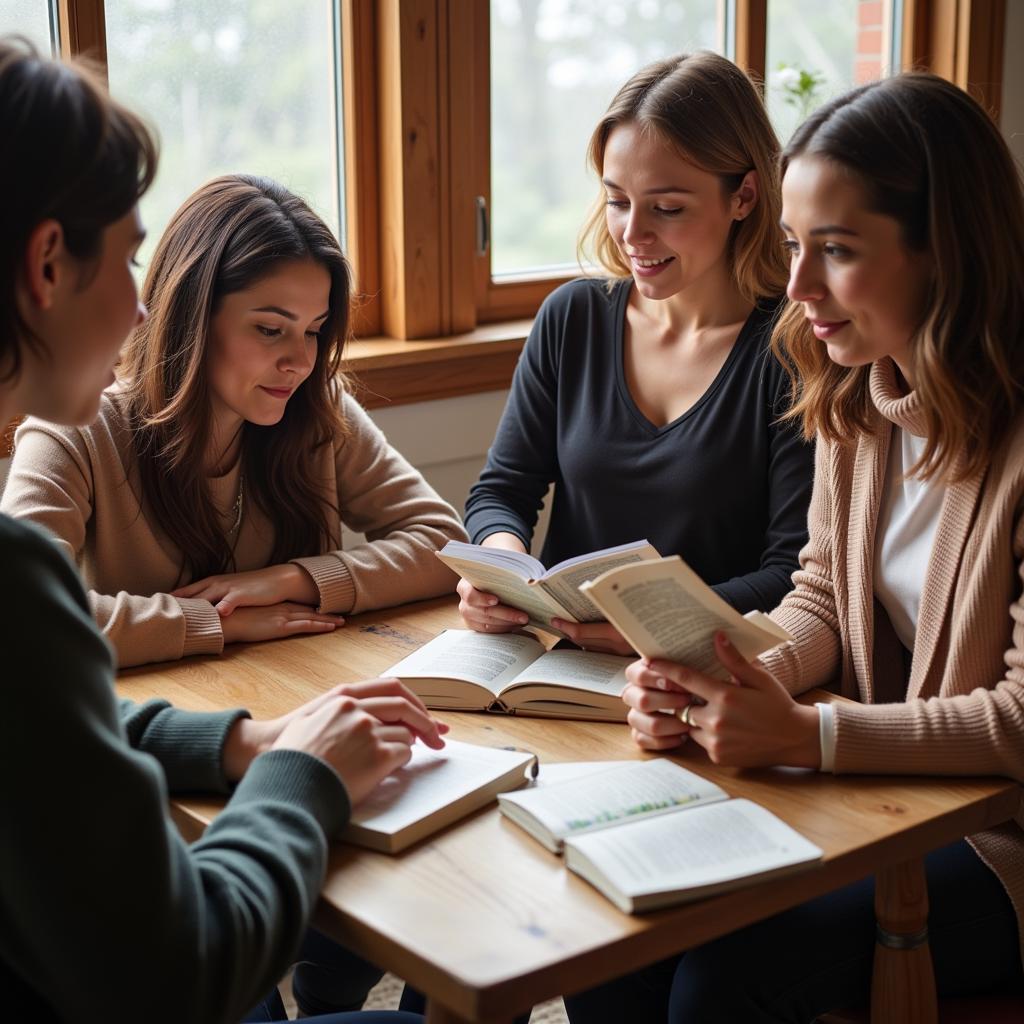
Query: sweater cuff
{"type": "Point", "coordinates": [203, 631]}
{"type": "Point", "coordinates": [190, 747]}
{"type": "Point", "coordinates": [296, 778]}
{"type": "Point", "coordinates": [480, 526]}
{"type": "Point", "coordinates": [334, 581]}
{"type": "Point", "coordinates": [826, 736]}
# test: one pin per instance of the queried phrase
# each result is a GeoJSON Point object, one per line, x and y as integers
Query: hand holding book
{"type": "Point", "coordinates": [748, 721]}
{"type": "Point", "coordinates": [522, 585]}
{"type": "Point", "coordinates": [696, 645]}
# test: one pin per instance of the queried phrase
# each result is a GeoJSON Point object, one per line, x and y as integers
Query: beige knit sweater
{"type": "Point", "coordinates": [963, 712]}
{"type": "Point", "coordinates": [83, 486]}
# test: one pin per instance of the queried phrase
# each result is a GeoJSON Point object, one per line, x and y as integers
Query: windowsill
{"type": "Point", "coordinates": [389, 371]}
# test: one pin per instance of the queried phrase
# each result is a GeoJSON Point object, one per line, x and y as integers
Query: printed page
{"type": "Point", "coordinates": [564, 581]}
{"type": "Point", "coordinates": [635, 790]}
{"type": "Point", "coordinates": [666, 611]}
{"type": "Point", "coordinates": [552, 773]}
{"type": "Point", "coordinates": [490, 661]}
{"type": "Point", "coordinates": [706, 846]}
{"type": "Point", "coordinates": [432, 780]}
{"type": "Point", "coordinates": [577, 670]}
{"type": "Point", "coordinates": [509, 588]}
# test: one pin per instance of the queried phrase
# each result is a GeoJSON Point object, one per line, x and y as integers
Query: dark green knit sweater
{"type": "Point", "coordinates": [106, 914]}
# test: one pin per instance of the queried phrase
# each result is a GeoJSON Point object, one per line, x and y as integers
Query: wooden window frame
{"type": "Point", "coordinates": [430, 321]}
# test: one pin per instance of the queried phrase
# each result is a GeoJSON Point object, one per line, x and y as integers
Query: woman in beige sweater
{"type": "Point", "coordinates": [905, 223]}
{"type": "Point", "coordinates": [205, 504]}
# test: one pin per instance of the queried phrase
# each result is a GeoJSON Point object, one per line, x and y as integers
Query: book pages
{"type": "Point", "coordinates": [706, 847]}
{"type": "Point", "coordinates": [509, 588]}
{"type": "Point", "coordinates": [488, 660]}
{"type": "Point", "coordinates": [563, 585]}
{"type": "Point", "coordinates": [578, 670]}
{"type": "Point", "coordinates": [638, 789]}
{"type": "Point", "coordinates": [666, 611]}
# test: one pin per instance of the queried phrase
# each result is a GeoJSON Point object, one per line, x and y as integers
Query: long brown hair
{"type": "Point", "coordinates": [929, 156]}
{"type": "Point", "coordinates": [72, 154]}
{"type": "Point", "coordinates": [708, 110]}
{"type": "Point", "coordinates": [227, 235]}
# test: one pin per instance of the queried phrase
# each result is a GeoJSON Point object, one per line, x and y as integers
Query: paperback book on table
{"type": "Point", "coordinates": [649, 834]}
{"type": "Point", "coordinates": [434, 789]}
{"type": "Point", "coordinates": [512, 673]}
{"type": "Point", "coordinates": [521, 581]}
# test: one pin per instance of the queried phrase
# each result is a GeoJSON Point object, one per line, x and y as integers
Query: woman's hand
{"type": "Point", "coordinates": [482, 612]}
{"type": "Point", "coordinates": [250, 625]}
{"type": "Point", "coordinates": [602, 637]}
{"type": "Point", "coordinates": [273, 585]}
{"type": "Point", "coordinates": [746, 722]}
{"type": "Point", "coordinates": [363, 730]}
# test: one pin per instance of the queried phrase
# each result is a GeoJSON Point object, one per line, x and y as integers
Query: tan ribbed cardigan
{"type": "Point", "coordinates": [82, 484]}
{"type": "Point", "coordinates": [964, 707]}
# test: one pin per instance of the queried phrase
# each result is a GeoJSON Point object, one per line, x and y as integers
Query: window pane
{"type": "Point", "coordinates": [232, 86]}
{"type": "Point", "coordinates": [30, 18]}
{"type": "Point", "coordinates": [555, 66]}
{"type": "Point", "coordinates": [819, 50]}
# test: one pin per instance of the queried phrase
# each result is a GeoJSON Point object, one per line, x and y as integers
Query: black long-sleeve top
{"type": "Point", "coordinates": [726, 486]}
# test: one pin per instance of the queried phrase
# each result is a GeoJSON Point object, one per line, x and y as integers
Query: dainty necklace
{"type": "Point", "coordinates": [238, 506]}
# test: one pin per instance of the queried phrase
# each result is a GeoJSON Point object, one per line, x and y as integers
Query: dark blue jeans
{"type": "Point", "coordinates": [791, 968]}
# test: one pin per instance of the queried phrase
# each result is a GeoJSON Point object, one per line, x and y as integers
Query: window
{"type": "Point", "coordinates": [394, 117]}
{"type": "Point", "coordinates": [555, 66]}
{"type": "Point", "coordinates": [231, 86]}
{"type": "Point", "coordinates": [817, 51]}
{"type": "Point", "coordinates": [29, 18]}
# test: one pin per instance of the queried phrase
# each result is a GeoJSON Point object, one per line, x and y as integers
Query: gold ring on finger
{"type": "Point", "coordinates": [684, 715]}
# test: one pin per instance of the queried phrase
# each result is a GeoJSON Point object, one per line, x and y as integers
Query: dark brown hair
{"type": "Point", "coordinates": [708, 110]}
{"type": "Point", "coordinates": [71, 154]}
{"type": "Point", "coordinates": [927, 155]}
{"type": "Point", "coordinates": [229, 234]}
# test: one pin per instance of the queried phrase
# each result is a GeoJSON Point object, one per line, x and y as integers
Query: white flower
{"type": "Point", "coordinates": [786, 78]}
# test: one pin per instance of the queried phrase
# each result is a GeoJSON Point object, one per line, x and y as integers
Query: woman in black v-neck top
{"type": "Point", "coordinates": [691, 240]}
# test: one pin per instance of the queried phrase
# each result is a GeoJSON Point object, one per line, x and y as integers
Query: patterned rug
{"type": "Point", "coordinates": [388, 991]}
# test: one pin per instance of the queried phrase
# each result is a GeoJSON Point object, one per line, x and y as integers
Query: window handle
{"type": "Point", "coordinates": [483, 227]}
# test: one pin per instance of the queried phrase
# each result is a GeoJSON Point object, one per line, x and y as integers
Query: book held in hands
{"type": "Point", "coordinates": [665, 610]}
{"type": "Point", "coordinates": [651, 834]}
{"type": "Point", "coordinates": [522, 582]}
{"type": "Point", "coordinates": [461, 670]}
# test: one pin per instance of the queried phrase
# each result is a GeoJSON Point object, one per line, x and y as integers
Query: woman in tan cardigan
{"type": "Point", "coordinates": [905, 222]}
{"type": "Point", "coordinates": [205, 504]}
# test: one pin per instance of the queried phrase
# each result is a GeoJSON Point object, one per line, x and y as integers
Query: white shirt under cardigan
{"type": "Point", "coordinates": [908, 517]}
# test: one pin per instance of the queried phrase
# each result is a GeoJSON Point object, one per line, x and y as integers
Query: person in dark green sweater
{"type": "Point", "coordinates": [106, 914]}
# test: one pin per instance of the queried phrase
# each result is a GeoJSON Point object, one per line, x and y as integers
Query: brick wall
{"type": "Point", "coordinates": [868, 62]}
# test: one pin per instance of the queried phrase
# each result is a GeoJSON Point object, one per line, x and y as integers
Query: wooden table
{"type": "Point", "coordinates": [487, 923]}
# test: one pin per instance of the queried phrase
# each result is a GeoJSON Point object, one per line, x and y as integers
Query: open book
{"type": "Point", "coordinates": [650, 834]}
{"type": "Point", "coordinates": [665, 610]}
{"type": "Point", "coordinates": [466, 671]}
{"type": "Point", "coordinates": [435, 788]}
{"type": "Point", "coordinates": [522, 582]}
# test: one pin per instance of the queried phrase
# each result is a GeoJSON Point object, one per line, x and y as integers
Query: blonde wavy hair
{"type": "Point", "coordinates": [927, 155]}
{"type": "Point", "coordinates": [707, 109]}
